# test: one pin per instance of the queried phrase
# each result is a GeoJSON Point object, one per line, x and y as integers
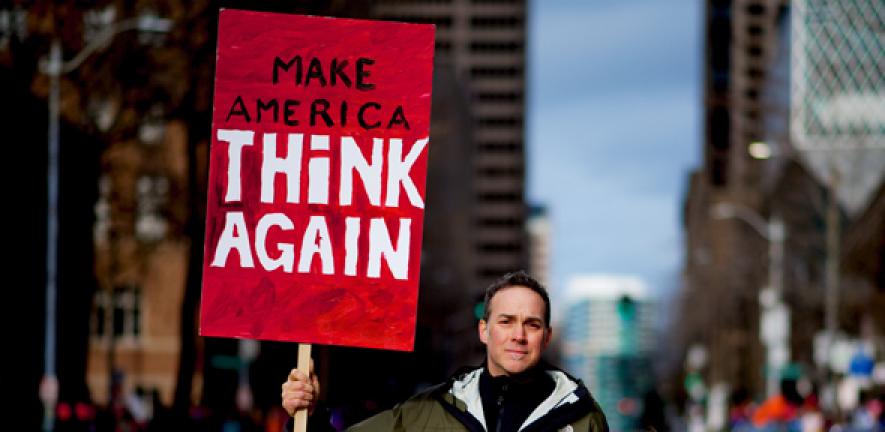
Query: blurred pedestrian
{"type": "Point", "coordinates": [161, 417]}
{"type": "Point", "coordinates": [653, 416]}
{"type": "Point", "coordinates": [811, 417]}
{"type": "Point", "coordinates": [512, 389]}
{"type": "Point", "coordinates": [865, 417]}
{"type": "Point", "coordinates": [275, 420]}
{"type": "Point", "coordinates": [740, 410]}
{"type": "Point", "coordinates": [781, 411]}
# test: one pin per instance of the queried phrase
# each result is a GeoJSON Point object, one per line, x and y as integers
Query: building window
{"type": "Point", "coordinates": [153, 193]}
{"type": "Point", "coordinates": [500, 197]}
{"type": "Point", "coordinates": [493, 47]}
{"type": "Point", "coordinates": [754, 73]}
{"type": "Point", "coordinates": [495, 72]}
{"type": "Point", "coordinates": [718, 174]}
{"type": "Point", "coordinates": [499, 146]}
{"type": "Point", "coordinates": [499, 97]}
{"type": "Point", "coordinates": [756, 9]}
{"type": "Point", "coordinates": [97, 21]}
{"type": "Point", "coordinates": [720, 126]}
{"type": "Point", "coordinates": [500, 121]}
{"type": "Point", "coordinates": [754, 50]}
{"type": "Point", "coordinates": [102, 225]}
{"type": "Point", "coordinates": [481, 22]}
{"type": "Point", "coordinates": [13, 25]}
{"type": "Point", "coordinates": [507, 222]}
{"type": "Point", "coordinates": [720, 81]}
{"type": "Point", "coordinates": [117, 314]}
{"type": "Point", "coordinates": [500, 171]}
{"type": "Point", "coordinates": [98, 317]}
{"type": "Point", "coordinates": [152, 129]}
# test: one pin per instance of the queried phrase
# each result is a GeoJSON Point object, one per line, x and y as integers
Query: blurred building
{"type": "Point", "coordinates": [722, 274]}
{"type": "Point", "coordinates": [142, 234]}
{"type": "Point", "coordinates": [123, 190]}
{"type": "Point", "coordinates": [777, 128]}
{"type": "Point", "coordinates": [608, 339]}
{"type": "Point", "coordinates": [540, 233]}
{"type": "Point", "coordinates": [141, 262]}
{"type": "Point", "coordinates": [483, 44]}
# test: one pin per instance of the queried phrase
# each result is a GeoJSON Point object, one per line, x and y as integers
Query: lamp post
{"type": "Point", "coordinates": [774, 319]}
{"type": "Point", "coordinates": [55, 66]}
{"type": "Point", "coordinates": [762, 150]}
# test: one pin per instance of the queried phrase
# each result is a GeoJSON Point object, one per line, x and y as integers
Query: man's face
{"type": "Point", "coordinates": [515, 334]}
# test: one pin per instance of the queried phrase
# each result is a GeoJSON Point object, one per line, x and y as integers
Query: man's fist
{"type": "Point", "coordinates": [300, 391]}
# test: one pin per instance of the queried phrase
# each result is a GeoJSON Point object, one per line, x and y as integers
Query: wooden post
{"type": "Point", "coordinates": [304, 367]}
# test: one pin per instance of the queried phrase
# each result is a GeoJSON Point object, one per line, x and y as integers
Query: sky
{"type": "Point", "coordinates": [613, 131]}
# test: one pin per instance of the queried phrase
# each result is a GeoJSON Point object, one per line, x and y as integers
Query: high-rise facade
{"type": "Point", "coordinates": [483, 43]}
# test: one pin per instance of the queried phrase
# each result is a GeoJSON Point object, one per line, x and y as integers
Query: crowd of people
{"type": "Point", "coordinates": [794, 410]}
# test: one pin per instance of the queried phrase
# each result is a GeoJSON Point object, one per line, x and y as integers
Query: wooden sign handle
{"type": "Point", "coordinates": [304, 367]}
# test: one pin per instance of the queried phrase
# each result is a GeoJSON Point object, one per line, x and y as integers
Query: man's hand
{"type": "Point", "coordinates": [300, 391]}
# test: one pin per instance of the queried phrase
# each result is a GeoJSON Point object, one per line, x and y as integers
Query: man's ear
{"type": "Point", "coordinates": [483, 330]}
{"type": "Point", "coordinates": [548, 335]}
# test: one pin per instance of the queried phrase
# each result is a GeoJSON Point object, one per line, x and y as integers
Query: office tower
{"type": "Point", "coordinates": [483, 43]}
{"type": "Point", "coordinates": [744, 106]}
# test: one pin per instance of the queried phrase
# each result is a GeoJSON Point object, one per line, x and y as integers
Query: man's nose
{"type": "Point", "coordinates": [519, 333]}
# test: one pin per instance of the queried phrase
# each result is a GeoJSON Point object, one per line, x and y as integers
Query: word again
{"type": "Point", "coordinates": [316, 242]}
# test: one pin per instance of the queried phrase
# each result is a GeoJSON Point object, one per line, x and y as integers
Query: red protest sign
{"type": "Point", "coordinates": [316, 181]}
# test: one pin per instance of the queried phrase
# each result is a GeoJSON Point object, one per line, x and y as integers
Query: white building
{"type": "Point", "coordinates": [607, 342]}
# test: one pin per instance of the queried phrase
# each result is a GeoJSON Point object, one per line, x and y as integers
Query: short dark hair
{"type": "Point", "coordinates": [517, 278]}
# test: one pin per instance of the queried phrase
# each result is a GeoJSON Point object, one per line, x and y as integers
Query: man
{"type": "Point", "coordinates": [513, 391]}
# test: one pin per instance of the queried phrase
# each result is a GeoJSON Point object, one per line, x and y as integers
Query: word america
{"type": "Point", "coordinates": [369, 114]}
{"type": "Point", "coordinates": [316, 239]}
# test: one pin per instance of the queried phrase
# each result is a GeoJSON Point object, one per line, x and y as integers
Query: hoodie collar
{"type": "Point", "coordinates": [567, 391]}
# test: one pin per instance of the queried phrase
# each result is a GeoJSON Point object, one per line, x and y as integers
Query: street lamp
{"type": "Point", "coordinates": [762, 150]}
{"type": "Point", "coordinates": [759, 150]}
{"type": "Point", "coordinates": [774, 319]}
{"type": "Point", "coordinates": [55, 66]}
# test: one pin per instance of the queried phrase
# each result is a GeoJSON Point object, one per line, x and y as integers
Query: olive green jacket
{"type": "Point", "coordinates": [456, 406]}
